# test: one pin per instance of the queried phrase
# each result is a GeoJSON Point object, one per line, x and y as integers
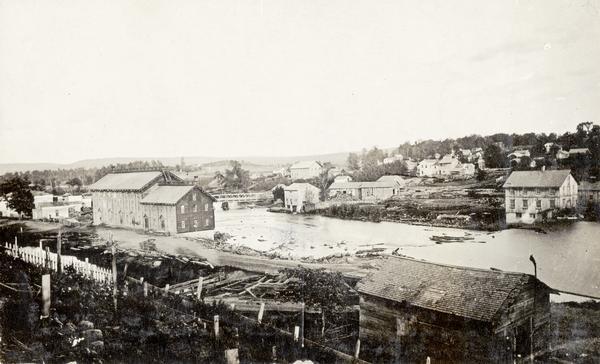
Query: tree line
{"type": "Point", "coordinates": [496, 147]}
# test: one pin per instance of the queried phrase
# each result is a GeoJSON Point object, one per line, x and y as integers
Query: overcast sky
{"type": "Point", "coordinates": [92, 79]}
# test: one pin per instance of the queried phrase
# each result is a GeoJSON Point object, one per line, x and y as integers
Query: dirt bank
{"type": "Point", "coordinates": [460, 204]}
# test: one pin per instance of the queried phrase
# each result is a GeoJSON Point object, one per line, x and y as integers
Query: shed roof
{"type": "Point", "coordinates": [130, 181]}
{"type": "Point", "coordinates": [300, 186]}
{"type": "Point", "coordinates": [473, 293]}
{"type": "Point", "coordinates": [553, 178]}
{"type": "Point", "coordinates": [391, 178]}
{"type": "Point", "coordinates": [428, 161]}
{"type": "Point", "coordinates": [351, 185]}
{"type": "Point", "coordinates": [589, 186]}
{"type": "Point", "coordinates": [170, 194]}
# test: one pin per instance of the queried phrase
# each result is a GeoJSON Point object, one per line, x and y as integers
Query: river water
{"type": "Point", "coordinates": [568, 259]}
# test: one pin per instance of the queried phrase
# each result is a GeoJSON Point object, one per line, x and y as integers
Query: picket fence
{"type": "Point", "coordinates": [44, 258]}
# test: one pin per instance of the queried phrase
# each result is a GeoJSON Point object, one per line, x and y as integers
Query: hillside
{"type": "Point", "coordinates": [255, 163]}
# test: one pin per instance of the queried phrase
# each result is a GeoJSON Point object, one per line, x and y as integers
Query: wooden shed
{"type": "Point", "coordinates": [412, 309]}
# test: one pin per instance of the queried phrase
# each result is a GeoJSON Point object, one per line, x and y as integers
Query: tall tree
{"type": "Point", "coordinates": [493, 157]}
{"type": "Point", "coordinates": [18, 195]}
{"type": "Point", "coordinates": [353, 162]}
{"type": "Point", "coordinates": [237, 178]}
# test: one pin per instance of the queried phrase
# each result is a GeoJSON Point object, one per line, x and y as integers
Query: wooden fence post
{"type": "Point", "coordinates": [199, 292]}
{"type": "Point", "coordinates": [59, 267]}
{"type": "Point", "coordinates": [261, 311]}
{"type": "Point", "coordinates": [46, 295]}
{"type": "Point", "coordinates": [232, 356]}
{"type": "Point", "coordinates": [216, 324]}
{"type": "Point", "coordinates": [88, 268]}
{"type": "Point", "coordinates": [302, 326]}
{"type": "Point", "coordinates": [114, 274]}
{"type": "Point", "coordinates": [145, 289]}
{"type": "Point", "coordinates": [357, 349]}
{"type": "Point", "coordinates": [47, 260]}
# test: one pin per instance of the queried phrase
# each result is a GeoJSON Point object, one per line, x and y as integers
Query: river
{"type": "Point", "coordinates": [568, 259]}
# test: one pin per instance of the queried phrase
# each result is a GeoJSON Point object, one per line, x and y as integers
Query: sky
{"type": "Point", "coordinates": [147, 78]}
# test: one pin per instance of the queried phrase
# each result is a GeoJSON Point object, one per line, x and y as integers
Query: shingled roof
{"type": "Point", "coordinates": [170, 194]}
{"type": "Point", "coordinates": [130, 181]}
{"type": "Point", "coordinates": [533, 179]}
{"type": "Point", "coordinates": [473, 293]}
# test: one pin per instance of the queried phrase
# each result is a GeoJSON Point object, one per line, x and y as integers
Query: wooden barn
{"type": "Point", "coordinates": [412, 309]}
{"type": "Point", "coordinates": [178, 209]}
{"type": "Point", "coordinates": [156, 201]}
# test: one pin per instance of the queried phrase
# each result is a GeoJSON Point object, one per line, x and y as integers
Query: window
{"type": "Point", "coordinates": [182, 208]}
{"type": "Point", "coordinates": [195, 208]}
{"type": "Point", "coordinates": [183, 224]}
{"type": "Point", "coordinates": [195, 224]}
{"type": "Point", "coordinates": [519, 214]}
{"type": "Point", "coordinates": [525, 204]}
{"type": "Point", "coordinates": [512, 203]}
{"type": "Point", "coordinates": [194, 197]}
{"type": "Point", "coordinates": [532, 216]}
{"type": "Point", "coordinates": [207, 222]}
{"type": "Point", "coordinates": [538, 204]}
{"type": "Point", "coordinates": [206, 207]}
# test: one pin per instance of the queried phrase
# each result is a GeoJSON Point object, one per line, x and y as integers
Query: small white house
{"type": "Point", "coordinates": [6, 211]}
{"type": "Point", "coordinates": [43, 199]}
{"type": "Point", "coordinates": [300, 196]}
{"type": "Point", "coordinates": [392, 159]}
{"type": "Point", "coordinates": [342, 178]}
{"type": "Point", "coordinates": [54, 211]}
{"type": "Point", "coordinates": [427, 168]}
{"type": "Point", "coordinates": [305, 170]}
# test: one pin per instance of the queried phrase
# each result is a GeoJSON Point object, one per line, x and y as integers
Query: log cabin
{"type": "Point", "coordinates": [412, 309]}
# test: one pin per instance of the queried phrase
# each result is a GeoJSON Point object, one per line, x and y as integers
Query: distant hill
{"type": "Point", "coordinates": [257, 164]}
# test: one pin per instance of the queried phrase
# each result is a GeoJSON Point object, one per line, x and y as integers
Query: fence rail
{"type": "Point", "coordinates": [46, 259]}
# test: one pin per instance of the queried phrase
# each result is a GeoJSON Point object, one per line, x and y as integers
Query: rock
{"type": "Point", "coordinates": [97, 346]}
{"type": "Point", "coordinates": [85, 325]}
{"type": "Point", "coordinates": [69, 328]}
{"type": "Point", "coordinates": [115, 346]}
{"type": "Point", "coordinates": [92, 335]}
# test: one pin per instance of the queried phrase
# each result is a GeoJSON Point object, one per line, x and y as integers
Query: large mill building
{"type": "Point", "coordinates": [156, 201]}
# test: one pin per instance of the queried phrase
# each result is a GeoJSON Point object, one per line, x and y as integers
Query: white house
{"type": "Point", "coordinates": [395, 158]}
{"type": "Point", "coordinates": [54, 211]}
{"type": "Point", "coordinates": [305, 170]}
{"type": "Point", "coordinates": [342, 178]}
{"type": "Point", "coordinates": [6, 211]}
{"type": "Point", "coordinates": [300, 196]}
{"type": "Point", "coordinates": [382, 189]}
{"type": "Point", "coordinates": [533, 196]}
{"type": "Point", "coordinates": [42, 199]}
{"type": "Point", "coordinates": [427, 168]}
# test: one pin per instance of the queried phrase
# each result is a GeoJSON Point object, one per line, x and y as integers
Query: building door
{"type": "Point", "coordinates": [146, 222]}
{"type": "Point", "coordinates": [522, 340]}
